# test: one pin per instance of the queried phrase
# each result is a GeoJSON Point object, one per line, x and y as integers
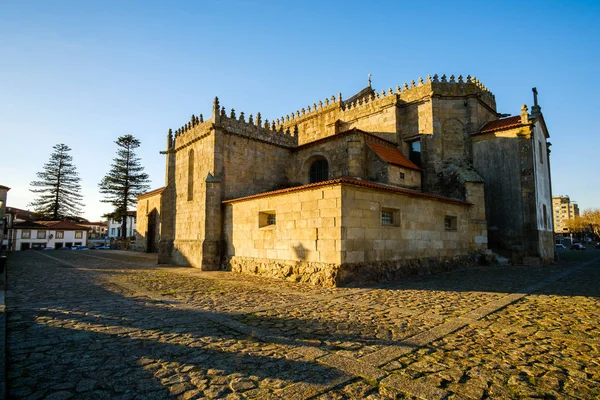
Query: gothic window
{"type": "Point", "coordinates": [190, 187]}
{"type": "Point", "coordinates": [319, 171]}
{"type": "Point", "coordinates": [415, 152]}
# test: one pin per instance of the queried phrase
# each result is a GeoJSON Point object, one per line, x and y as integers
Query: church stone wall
{"type": "Point", "coordinates": [147, 207]}
{"type": "Point", "coordinates": [251, 166]}
{"type": "Point", "coordinates": [300, 246]}
{"type": "Point", "coordinates": [190, 212]}
{"type": "Point", "coordinates": [418, 230]}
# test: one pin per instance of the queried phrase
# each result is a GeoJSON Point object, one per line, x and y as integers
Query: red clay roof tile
{"type": "Point", "coordinates": [500, 124]}
{"type": "Point", "coordinates": [354, 182]}
{"type": "Point", "coordinates": [392, 156]}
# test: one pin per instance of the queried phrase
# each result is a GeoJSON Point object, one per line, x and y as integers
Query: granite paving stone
{"type": "Point", "coordinates": [116, 325]}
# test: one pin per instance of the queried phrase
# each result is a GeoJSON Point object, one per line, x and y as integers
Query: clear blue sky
{"type": "Point", "coordinates": [85, 72]}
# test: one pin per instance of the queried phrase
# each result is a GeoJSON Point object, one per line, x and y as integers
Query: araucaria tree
{"type": "Point", "coordinates": [58, 186]}
{"type": "Point", "coordinates": [125, 181]}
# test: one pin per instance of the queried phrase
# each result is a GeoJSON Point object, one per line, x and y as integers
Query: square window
{"type": "Point", "coordinates": [78, 234]}
{"type": "Point", "coordinates": [26, 234]}
{"type": "Point", "coordinates": [41, 234]}
{"type": "Point", "coordinates": [60, 234]}
{"type": "Point", "coordinates": [267, 218]}
{"type": "Point", "coordinates": [450, 223]}
{"type": "Point", "coordinates": [390, 217]}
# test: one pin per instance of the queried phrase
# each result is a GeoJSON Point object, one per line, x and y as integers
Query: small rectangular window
{"type": "Point", "coordinates": [78, 234]}
{"type": "Point", "coordinates": [541, 154]}
{"type": "Point", "coordinates": [41, 234]}
{"type": "Point", "coordinates": [26, 234]}
{"type": "Point", "coordinates": [267, 218]}
{"type": "Point", "coordinates": [390, 217]}
{"type": "Point", "coordinates": [401, 176]}
{"type": "Point", "coordinates": [449, 223]}
{"type": "Point", "coordinates": [60, 234]}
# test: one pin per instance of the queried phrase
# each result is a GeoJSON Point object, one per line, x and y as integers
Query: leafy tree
{"type": "Point", "coordinates": [591, 218]}
{"type": "Point", "coordinates": [125, 180]}
{"type": "Point", "coordinates": [59, 187]}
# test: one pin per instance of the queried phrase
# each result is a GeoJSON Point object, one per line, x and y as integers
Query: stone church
{"type": "Point", "coordinates": [382, 184]}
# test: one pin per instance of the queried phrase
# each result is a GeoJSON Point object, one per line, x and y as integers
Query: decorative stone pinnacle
{"type": "Point", "coordinates": [405, 86]}
{"type": "Point", "coordinates": [428, 78]}
{"type": "Point", "coordinates": [223, 112]}
{"type": "Point", "coordinates": [398, 90]}
{"type": "Point", "coordinates": [436, 78]}
{"type": "Point", "coordinates": [468, 78]}
{"type": "Point", "coordinates": [193, 120]}
{"type": "Point", "coordinates": [232, 114]}
{"type": "Point", "coordinates": [320, 104]}
{"type": "Point", "coordinates": [201, 118]}
{"type": "Point", "coordinates": [216, 104]}
{"type": "Point", "coordinates": [444, 78]}
{"type": "Point", "coordinates": [314, 106]}
{"type": "Point", "coordinates": [273, 127]}
{"type": "Point", "coordinates": [339, 97]}
{"type": "Point", "coordinates": [242, 118]}
{"type": "Point", "coordinates": [295, 130]}
{"type": "Point", "coordinates": [452, 78]}
{"type": "Point", "coordinates": [258, 119]}
{"type": "Point", "coordinates": [390, 92]}
{"type": "Point", "coordinates": [460, 79]}
{"type": "Point", "coordinates": [266, 124]}
{"type": "Point", "coordinates": [524, 115]}
{"type": "Point", "coordinates": [420, 81]}
{"type": "Point", "coordinates": [412, 83]}
{"type": "Point", "coordinates": [326, 102]}
{"type": "Point", "coordinates": [251, 119]}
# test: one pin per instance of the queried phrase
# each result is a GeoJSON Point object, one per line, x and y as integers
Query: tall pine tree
{"type": "Point", "coordinates": [59, 187]}
{"type": "Point", "coordinates": [125, 181]}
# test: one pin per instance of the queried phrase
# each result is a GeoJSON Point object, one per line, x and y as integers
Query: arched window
{"type": "Point", "coordinates": [190, 188]}
{"type": "Point", "coordinates": [319, 171]}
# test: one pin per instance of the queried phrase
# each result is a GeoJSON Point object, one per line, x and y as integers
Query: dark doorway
{"type": "Point", "coordinates": [25, 246]}
{"type": "Point", "coordinates": [151, 234]}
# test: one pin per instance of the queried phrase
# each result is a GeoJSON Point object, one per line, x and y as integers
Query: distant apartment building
{"type": "Point", "coordinates": [97, 230]}
{"type": "Point", "coordinates": [563, 210]}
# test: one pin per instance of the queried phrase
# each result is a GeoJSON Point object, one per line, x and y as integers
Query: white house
{"type": "Point", "coordinates": [42, 234]}
{"type": "Point", "coordinates": [114, 227]}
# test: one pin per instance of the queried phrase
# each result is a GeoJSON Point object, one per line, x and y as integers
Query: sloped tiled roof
{"type": "Point", "coordinates": [500, 124]}
{"type": "Point", "coordinates": [151, 193]}
{"type": "Point", "coordinates": [392, 156]}
{"type": "Point", "coordinates": [63, 225]}
{"type": "Point", "coordinates": [354, 182]}
{"type": "Point", "coordinates": [28, 225]}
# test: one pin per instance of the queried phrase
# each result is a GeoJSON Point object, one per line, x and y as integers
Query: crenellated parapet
{"type": "Point", "coordinates": [283, 131]}
{"type": "Point", "coordinates": [252, 128]}
{"type": "Point", "coordinates": [310, 111]}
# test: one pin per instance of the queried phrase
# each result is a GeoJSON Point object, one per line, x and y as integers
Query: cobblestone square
{"type": "Point", "coordinates": [115, 325]}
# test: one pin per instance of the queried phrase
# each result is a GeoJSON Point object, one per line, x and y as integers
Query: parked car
{"type": "Point", "coordinates": [48, 248]}
{"type": "Point", "coordinates": [577, 246]}
{"type": "Point", "coordinates": [65, 248]}
{"type": "Point", "coordinates": [560, 247]}
{"type": "Point", "coordinates": [80, 248]}
{"type": "Point", "coordinates": [102, 247]}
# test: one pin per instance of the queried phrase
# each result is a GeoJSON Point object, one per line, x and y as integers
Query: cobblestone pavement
{"type": "Point", "coordinates": [109, 324]}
